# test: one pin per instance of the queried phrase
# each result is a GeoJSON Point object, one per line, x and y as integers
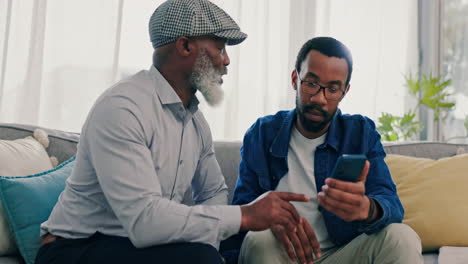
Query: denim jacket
{"type": "Point", "coordinates": [264, 163]}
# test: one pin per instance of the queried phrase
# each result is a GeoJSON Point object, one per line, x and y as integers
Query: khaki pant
{"type": "Point", "coordinates": [397, 243]}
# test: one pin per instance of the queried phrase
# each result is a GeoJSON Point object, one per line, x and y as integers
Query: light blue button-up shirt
{"type": "Point", "coordinates": [140, 150]}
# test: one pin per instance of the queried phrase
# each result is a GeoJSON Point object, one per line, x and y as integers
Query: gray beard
{"type": "Point", "coordinates": [206, 79]}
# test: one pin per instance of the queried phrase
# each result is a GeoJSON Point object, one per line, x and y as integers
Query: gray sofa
{"type": "Point", "coordinates": [63, 145]}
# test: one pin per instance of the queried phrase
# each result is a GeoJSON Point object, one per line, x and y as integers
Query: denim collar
{"type": "Point", "coordinates": [280, 145]}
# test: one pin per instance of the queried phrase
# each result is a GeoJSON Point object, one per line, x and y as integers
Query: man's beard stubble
{"type": "Point", "coordinates": [311, 125]}
{"type": "Point", "coordinates": [206, 79]}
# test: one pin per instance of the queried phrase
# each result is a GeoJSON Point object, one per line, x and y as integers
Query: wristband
{"type": "Point", "coordinates": [371, 211]}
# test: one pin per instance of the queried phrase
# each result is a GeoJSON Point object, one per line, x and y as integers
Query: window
{"type": "Point", "coordinates": [454, 56]}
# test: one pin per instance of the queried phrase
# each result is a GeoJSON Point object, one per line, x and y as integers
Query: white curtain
{"type": "Point", "coordinates": [382, 36]}
{"type": "Point", "coordinates": [57, 56]}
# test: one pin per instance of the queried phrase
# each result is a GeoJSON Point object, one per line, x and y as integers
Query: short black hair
{"type": "Point", "coordinates": [327, 46]}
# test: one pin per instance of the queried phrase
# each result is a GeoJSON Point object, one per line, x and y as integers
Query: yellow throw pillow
{"type": "Point", "coordinates": [434, 194]}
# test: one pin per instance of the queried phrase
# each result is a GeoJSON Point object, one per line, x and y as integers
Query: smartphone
{"type": "Point", "coordinates": [348, 167]}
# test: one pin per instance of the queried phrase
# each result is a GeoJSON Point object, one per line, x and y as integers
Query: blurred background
{"type": "Point", "coordinates": [410, 60]}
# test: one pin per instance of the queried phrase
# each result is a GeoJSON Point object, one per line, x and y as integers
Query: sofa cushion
{"type": "Point", "coordinates": [453, 255]}
{"type": "Point", "coordinates": [434, 195]}
{"type": "Point", "coordinates": [23, 157]}
{"type": "Point", "coordinates": [17, 158]}
{"type": "Point", "coordinates": [62, 144]}
{"type": "Point", "coordinates": [28, 201]}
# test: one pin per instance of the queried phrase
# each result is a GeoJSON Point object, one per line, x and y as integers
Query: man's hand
{"type": "Point", "coordinates": [270, 209]}
{"type": "Point", "coordinates": [346, 200]}
{"type": "Point", "coordinates": [301, 244]}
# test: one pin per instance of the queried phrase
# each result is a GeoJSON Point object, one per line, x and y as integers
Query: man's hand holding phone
{"type": "Point", "coordinates": [344, 197]}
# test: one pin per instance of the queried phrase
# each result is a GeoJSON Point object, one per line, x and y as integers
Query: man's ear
{"type": "Point", "coordinates": [184, 46]}
{"type": "Point", "coordinates": [294, 79]}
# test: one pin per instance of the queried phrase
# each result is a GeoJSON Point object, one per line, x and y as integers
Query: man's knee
{"type": "Point", "coordinates": [401, 237]}
{"type": "Point", "coordinates": [258, 242]}
{"type": "Point", "coordinates": [262, 247]}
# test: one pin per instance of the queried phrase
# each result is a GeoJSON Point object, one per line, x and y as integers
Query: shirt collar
{"type": "Point", "coordinates": [280, 145]}
{"type": "Point", "coordinates": [166, 93]}
{"type": "Point", "coordinates": [335, 130]}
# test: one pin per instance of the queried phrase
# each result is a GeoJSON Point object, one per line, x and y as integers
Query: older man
{"type": "Point", "coordinates": [144, 144]}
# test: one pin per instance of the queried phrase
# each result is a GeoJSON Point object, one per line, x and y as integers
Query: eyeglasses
{"type": "Point", "coordinates": [313, 88]}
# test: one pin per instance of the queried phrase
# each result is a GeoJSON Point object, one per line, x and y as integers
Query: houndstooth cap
{"type": "Point", "coordinates": [190, 18]}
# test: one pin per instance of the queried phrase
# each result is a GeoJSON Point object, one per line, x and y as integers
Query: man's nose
{"type": "Point", "coordinates": [226, 59]}
{"type": "Point", "coordinates": [319, 97]}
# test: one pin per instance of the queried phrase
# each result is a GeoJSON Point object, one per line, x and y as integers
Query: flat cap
{"type": "Point", "coordinates": [190, 18]}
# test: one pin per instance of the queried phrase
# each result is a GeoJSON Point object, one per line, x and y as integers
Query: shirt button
{"type": "Point", "coordinates": [180, 162]}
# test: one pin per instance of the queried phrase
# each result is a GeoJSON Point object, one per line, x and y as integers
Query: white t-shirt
{"type": "Point", "coordinates": [301, 179]}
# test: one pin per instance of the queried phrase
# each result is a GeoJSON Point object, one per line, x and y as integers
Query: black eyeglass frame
{"type": "Point", "coordinates": [312, 84]}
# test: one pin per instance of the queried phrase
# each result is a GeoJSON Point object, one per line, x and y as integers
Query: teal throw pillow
{"type": "Point", "coordinates": [28, 202]}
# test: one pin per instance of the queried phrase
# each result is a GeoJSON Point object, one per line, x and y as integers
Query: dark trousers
{"type": "Point", "coordinates": [101, 249]}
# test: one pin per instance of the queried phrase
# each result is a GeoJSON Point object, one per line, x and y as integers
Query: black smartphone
{"type": "Point", "coordinates": [348, 167]}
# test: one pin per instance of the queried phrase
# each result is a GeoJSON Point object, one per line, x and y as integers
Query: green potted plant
{"type": "Point", "coordinates": [429, 91]}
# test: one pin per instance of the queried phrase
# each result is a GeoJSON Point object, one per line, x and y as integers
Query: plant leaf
{"type": "Point", "coordinates": [412, 84]}
{"type": "Point", "coordinates": [393, 128]}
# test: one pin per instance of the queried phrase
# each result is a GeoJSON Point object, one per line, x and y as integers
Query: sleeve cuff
{"type": "Point", "coordinates": [230, 221]}
{"type": "Point", "coordinates": [378, 224]}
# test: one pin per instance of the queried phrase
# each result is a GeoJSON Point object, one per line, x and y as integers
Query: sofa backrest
{"type": "Point", "coordinates": [432, 150]}
{"type": "Point", "coordinates": [63, 146]}
{"type": "Point", "coordinates": [228, 155]}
